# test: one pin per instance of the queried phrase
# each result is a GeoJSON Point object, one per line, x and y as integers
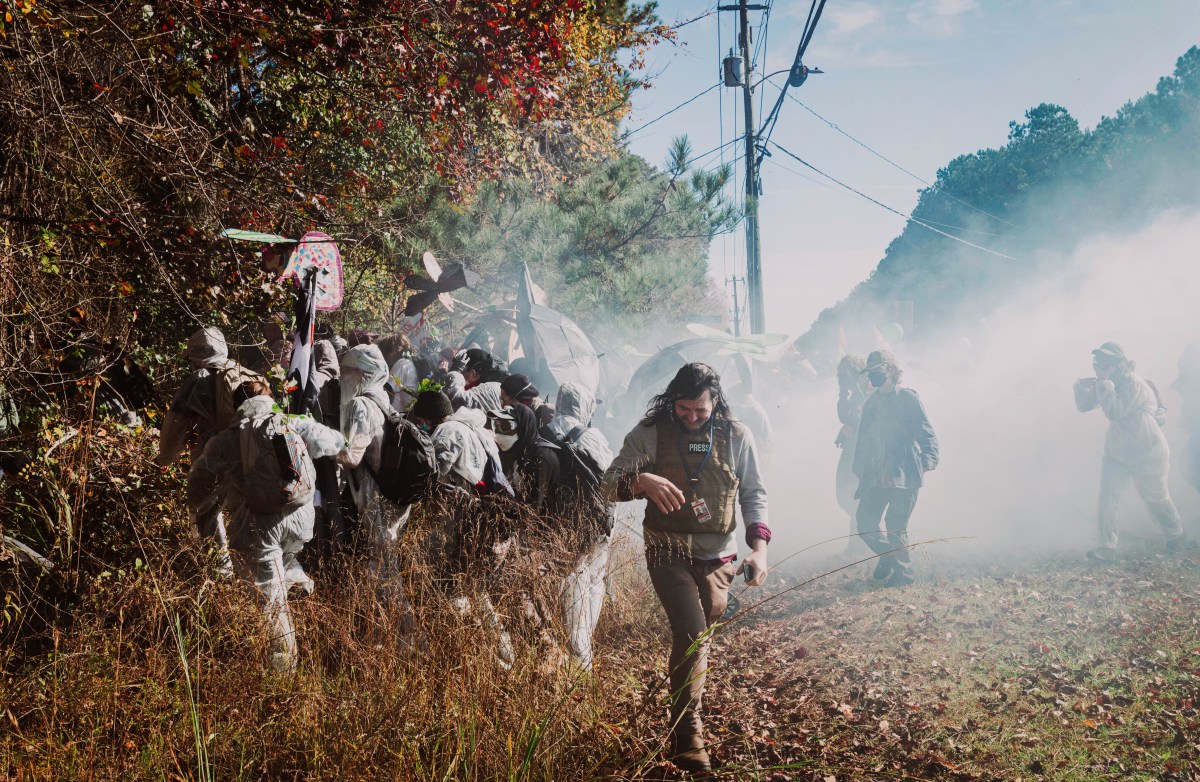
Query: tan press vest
{"type": "Point", "coordinates": [718, 483]}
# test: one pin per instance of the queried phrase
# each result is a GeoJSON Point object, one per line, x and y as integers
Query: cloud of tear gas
{"type": "Point", "coordinates": [1020, 466]}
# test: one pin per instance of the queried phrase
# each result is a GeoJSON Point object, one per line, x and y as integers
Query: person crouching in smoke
{"type": "Point", "coordinates": [694, 463]}
{"type": "Point", "coordinates": [896, 447]}
{"type": "Point", "coordinates": [1135, 448]}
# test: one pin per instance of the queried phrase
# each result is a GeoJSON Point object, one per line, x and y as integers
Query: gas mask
{"type": "Point", "coordinates": [505, 442]}
{"type": "Point", "coordinates": [877, 377]}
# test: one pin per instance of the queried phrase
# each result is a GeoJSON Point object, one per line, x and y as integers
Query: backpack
{"type": "Point", "coordinates": [277, 474]}
{"type": "Point", "coordinates": [494, 480]}
{"type": "Point", "coordinates": [582, 474]}
{"type": "Point", "coordinates": [407, 463]}
{"type": "Point", "coordinates": [228, 379]}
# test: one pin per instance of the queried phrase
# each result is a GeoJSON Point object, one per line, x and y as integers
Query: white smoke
{"type": "Point", "coordinates": [1020, 466]}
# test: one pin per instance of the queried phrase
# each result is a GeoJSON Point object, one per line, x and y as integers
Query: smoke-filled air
{"type": "Point", "coordinates": [542, 391]}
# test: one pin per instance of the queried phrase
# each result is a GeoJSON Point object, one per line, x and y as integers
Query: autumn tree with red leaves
{"type": "Point", "coordinates": [133, 133]}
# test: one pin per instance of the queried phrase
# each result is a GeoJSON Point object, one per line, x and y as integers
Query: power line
{"type": "Point", "coordinates": [765, 31]}
{"type": "Point", "coordinates": [878, 203]}
{"type": "Point", "coordinates": [831, 188]}
{"type": "Point", "coordinates": [810, 27]}
{"type": "Point", "coordinates": [627, 134]}
{"type": "Point", "coordinates": [894, 164]}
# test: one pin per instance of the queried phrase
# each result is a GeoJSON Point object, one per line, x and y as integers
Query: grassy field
{"type": "Point", "coordinates": [1049, 669]}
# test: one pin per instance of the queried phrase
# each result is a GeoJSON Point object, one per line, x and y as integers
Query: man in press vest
{"type": "Point", "coordinates": [695, 464]}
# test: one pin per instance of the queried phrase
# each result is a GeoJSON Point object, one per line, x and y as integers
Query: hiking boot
{"type": "Point", "coordinates": [883, 568]}
{"type": "Point", "coordinates": [901, 577]}
{"type": "Point", "coordinates": [1181, 543]}
{"type": "Point", "coordinates": [693, 761]}
{"type": "Point", "coordinates": [689, 754]}
{"type": "Point", "coordinates": [1102, 554]}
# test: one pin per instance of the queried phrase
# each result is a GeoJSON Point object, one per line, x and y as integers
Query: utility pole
{"type": "Point", "coordinates": [754, 291]}
{"type": "Point", "coordinates": [737, 308]}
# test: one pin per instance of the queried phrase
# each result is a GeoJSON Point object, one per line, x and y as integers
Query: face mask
{"type": "Point", "coordinates": [506, 441]}
{"type": "Point", "coordinates": [877, 377]}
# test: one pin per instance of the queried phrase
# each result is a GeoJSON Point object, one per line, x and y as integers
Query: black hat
{"type": "Point", "coordinates": [432, 406]}
{"type": "Point", "coordinates": [520, 387]}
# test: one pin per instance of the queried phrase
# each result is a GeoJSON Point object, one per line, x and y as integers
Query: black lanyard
{"type": "Point", "coordinates": [694, 477]}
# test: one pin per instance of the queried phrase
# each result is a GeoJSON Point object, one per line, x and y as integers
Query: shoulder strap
{"type": "Point", "coordinates": [389, 413]}
{"type": "Point", "coordinates": [574, 435]}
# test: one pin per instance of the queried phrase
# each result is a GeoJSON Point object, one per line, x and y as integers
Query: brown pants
{"type": "Point", "coordinates": [694, 596]}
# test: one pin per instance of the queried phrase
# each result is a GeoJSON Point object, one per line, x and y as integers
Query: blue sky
{"type": "Point", "coordinates": [920, 82]}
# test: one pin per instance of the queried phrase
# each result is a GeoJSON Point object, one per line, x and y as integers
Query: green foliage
{"type": "Point", "coordinates": [1050, 186]}
{"type": "Point", "coordinates": [427, 384]}
{"type": "Point", "coordinates": [621, 247]}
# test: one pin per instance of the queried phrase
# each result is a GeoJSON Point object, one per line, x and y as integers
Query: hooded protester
{"type": "Point", "coordinates": [474, 380]}
{"type": "Point", "coordinates": [203, 407]}
{"type": "Point", "coordinates": [264, 463]}
{"type": "Point", "coordinates": [330, 528]}
{"type": "Point", "coordinates": [530, 461]}
{"type": "Point", "coordinates": [695, 465]}
{"type": "Point", "coordinates": [853, 390]}
{"type": "Point", "coordinates": [896, 446]}
{"type": "Point", "coordinates": [461, 440]}
{"type": "Point", "coordinates": [468, 465]}
{"type": "Point", "coordinates": [364, 402]}
{"type": "Point", "coordinates": [1135, 448]}
{"type": "Point", "coordinates": [584, 585]}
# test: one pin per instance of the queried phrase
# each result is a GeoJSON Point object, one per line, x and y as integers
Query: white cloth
{"type": "Point", "coordinates": [402, 375]}
{"type": "Point", "coordinates": [485, 396]}
{"type": "Point", "coordinates": [463, 443]}
{"type": "Point", "coordinates": [1135, 437]}
{"type": "Point", "coordinates": [583, 599]}
{"type": "Point", "coordinates": [1135, 450]}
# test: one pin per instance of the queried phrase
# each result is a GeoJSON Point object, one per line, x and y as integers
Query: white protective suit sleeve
{"type": "Point", "coordinates": [485, 396]}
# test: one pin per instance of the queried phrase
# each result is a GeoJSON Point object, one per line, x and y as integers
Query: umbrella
{"type": "Point", "coordinates": [438, 285]}
{"type": "Point", "coordinates": [317, 253]}
{"type": "Point", "coordinates": [553, 342]}
{"type": "Point", "coordinates": [655, 372]}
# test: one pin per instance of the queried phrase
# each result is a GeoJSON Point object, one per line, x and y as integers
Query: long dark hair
{"type": "Point", "coordinates": [690, 382]}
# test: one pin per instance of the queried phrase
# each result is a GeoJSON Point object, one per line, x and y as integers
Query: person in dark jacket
{"type": "Point", "coordinates": [896, 447]}
{"type": "Point", "coordinates": [530, 461]}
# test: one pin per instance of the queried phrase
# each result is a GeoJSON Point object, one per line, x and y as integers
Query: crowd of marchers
{"type": "Point", "coordinates": [501, 472]}
{"type": "Point", "coordinates": [491, 460]}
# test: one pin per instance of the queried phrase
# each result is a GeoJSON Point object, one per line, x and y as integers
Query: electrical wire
{"type": "Point", "coordinates": [893, 163]}
{"type": "Point", "coordinates": [833, 189]}
{"type": "Point", "coordinates": [764, 34]}
{"type": "Point", "coordinates": [632, 131]}
{"type": "Point", "coordinates": [878, 203]}
{"type": "Point", "coordinates": [810, 27]}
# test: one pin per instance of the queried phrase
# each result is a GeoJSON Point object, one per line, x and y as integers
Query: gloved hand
{"type": "Point", "coordinates": [460, 361]}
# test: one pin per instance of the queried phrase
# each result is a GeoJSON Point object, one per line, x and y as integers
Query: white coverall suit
{"type": "Point", "coordinates": [584, 587]}
{"type": "Point", "coordinates": [1135, 449]}
{"type": "Point", "coordinates": [363, 403]}
{"type": "Point", "coordinates": [264, 546]}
